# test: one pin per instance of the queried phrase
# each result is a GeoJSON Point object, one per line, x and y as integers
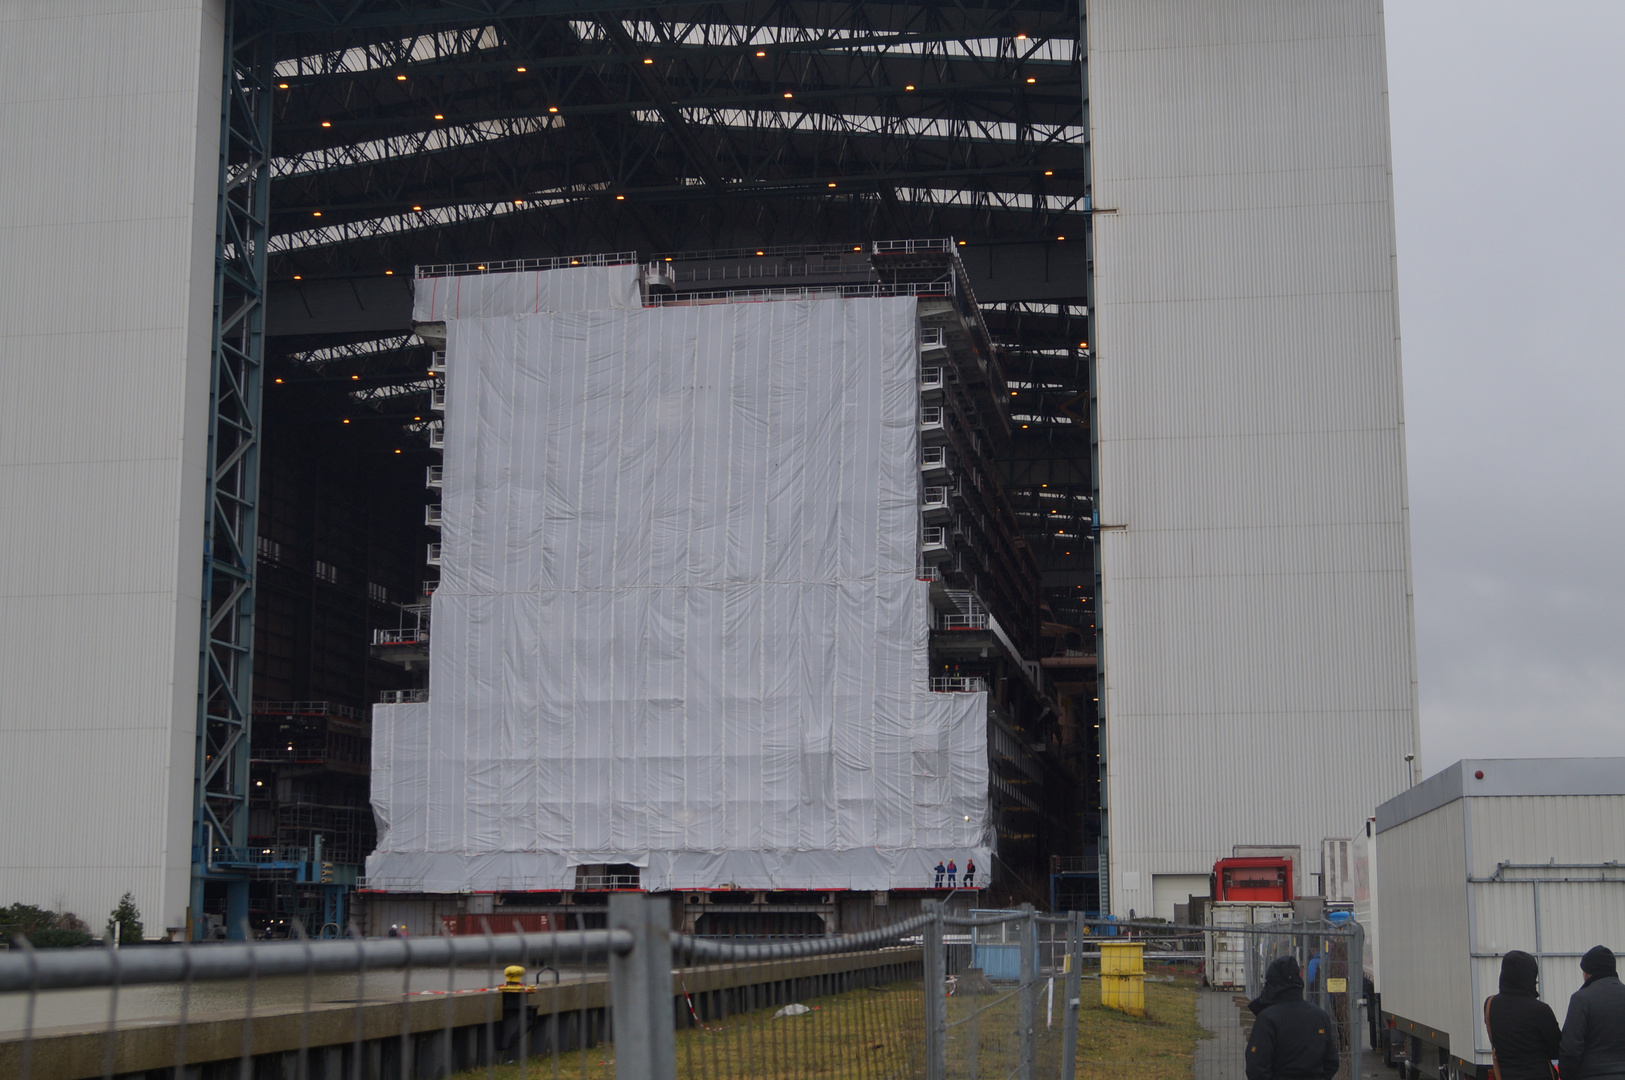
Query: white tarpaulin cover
{"type": "Point", "coordinates": [678, 622]}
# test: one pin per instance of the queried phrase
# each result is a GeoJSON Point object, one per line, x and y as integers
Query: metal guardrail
{"type": "Point", "coordinates": [955, 684]}
{"type": "Point", "coordinates": [580, 988]}
{"type": "Point", "coordinates": [804, 292]}
{"type": "Point", "coordinates": [403, 697]}
{"type": "Point", "coordinates": [507, 266]}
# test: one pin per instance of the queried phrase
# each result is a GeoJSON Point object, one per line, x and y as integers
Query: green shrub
{"type": "Point", "coordinates": [126, 917]}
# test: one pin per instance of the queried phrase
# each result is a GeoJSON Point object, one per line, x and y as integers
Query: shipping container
{"type": "Point", "coordinates": [1227, 952]}
{"type": "Point", "coordinates": [1480, 859]}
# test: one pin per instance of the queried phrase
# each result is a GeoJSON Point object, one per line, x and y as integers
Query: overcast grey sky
{"type": "Point", "coordinates": [1509, 177]}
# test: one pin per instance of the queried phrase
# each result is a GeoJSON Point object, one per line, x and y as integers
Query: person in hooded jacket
{"type": "Point", "coordinates": [1593, 1043]}
{"type": "Point", "coordinates": [1291, 1039]}
{"type": "Point", "coordinates": [1523, 1028]}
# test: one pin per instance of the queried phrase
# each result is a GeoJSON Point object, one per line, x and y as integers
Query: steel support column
{"type": "Point", "coordinates": [226, 646]}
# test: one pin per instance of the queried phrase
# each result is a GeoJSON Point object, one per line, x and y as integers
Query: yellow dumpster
{"type": "Point", "coordinates": [1122, 977]}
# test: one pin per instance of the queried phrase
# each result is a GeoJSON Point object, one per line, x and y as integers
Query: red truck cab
{"type": "Point", "coordinates": [1265, 879]}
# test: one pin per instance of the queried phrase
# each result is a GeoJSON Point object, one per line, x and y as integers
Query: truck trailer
{"type": "Point", "coordinates": [1488, 856]}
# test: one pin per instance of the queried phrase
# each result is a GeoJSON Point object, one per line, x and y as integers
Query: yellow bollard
{"type": "Point", "coordinates": [514, 980]}
{"type": "Point", "coordinates": [1122, 977]}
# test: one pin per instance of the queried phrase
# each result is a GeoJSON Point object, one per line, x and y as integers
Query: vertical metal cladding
{"type": "Point", "coordinates": [1259, 663]}
{"type": "Point", "coordinates": [107, 195]}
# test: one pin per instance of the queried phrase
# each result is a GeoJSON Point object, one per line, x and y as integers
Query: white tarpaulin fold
{"type": "Point", "coordinates": [678, 623]}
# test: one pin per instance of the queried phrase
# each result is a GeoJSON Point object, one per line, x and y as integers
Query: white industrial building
{"type": "Point", "coordinates": [1257, 673]}
{"type": "Point", "coordinates": [1258, 656]}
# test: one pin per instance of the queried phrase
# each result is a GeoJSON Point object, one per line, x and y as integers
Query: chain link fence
{"type": "Point", "coordinates": [982, 995]}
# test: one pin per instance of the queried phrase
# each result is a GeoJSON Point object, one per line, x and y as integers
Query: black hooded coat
{"type": "Point", "coordinates": [1594, 1030]}
{"type": "Point", "coordinates": [1291, 1039]}
{"type": "Point", "coordinates": [1523, 1028]}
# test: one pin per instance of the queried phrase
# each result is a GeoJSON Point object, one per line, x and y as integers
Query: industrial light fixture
{"type": "Point", "coordinates": [481, 266]}
{"type": "Point", "coordinates": [759, 52]}
{"type": "Point", "coordinates": [1060, 238]}
{"type": "Point", "coordinates": [1049, 172]}
{"type": "Point", "coordinates": [1032, 80]}
{"type": "Point", "coordinates": [962, 243]}
{"type": "Point", "coordinates": [788, 94]}
{"type": "Point", "coordinates": [281, 86]}
{"type": "Point", "coordinates": [1083, 344]}
{"type": "Point", "coordinates": [857, 247]}
{"type": "Point", "coordinates": [521, 70]}
{"type": "Point", "coordinates": [417, 418]}
{"type": "Point", "coordinates": [832, 183]}
{"type": "Point", "coordinates": [417, 208]}
{"type": "Point", "coordinates": [553, 108]}
{"type": "Point", "coordinates": [758, 253]}
{"type": "Point", "coordinates": [355, 376]}
{"type": "Point", "coordinates": [397, 451]}
{"type": "Point", "coordinates": [389, 273]}
{"type": "Point", "coordinates": [575, 262]}
{"type": "Point", "coordinates": [400, 78]}
{"type": "Point", "coordinates": [910, 86]}
{"type": "Point", "coordinates": [1012, 393]}
{"type": "Point", "coordinates": [668, 258]}
{"type": "Point", "coordinates": [315, 213]}
{"type": "Point", "coordinates": [346, 420]}
{"type": "Point", "coordinates": [648, 60]}
{"type": "Point", "coordinates": [439, 116]}
{"type": "Point", "coordinates": [1021, 37]}
{"type": "Point", "coordinates": [279, 380]}
{"type": "Point", "coordinates": [327, 123]}
{"type": "Point", "coordinates": [299, 277]}
{"type": "Point", "coordinates": [620, 198]}
{"type": "Point", "coordinates": [519, 202]}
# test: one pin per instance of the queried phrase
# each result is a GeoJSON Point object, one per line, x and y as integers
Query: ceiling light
{"type": "Point", "coordinates": [519, 202]}
{"type": "Point", "coordinates": [355, 376]}
{"type": "Point", "coordinates": [758, 253]}
{"type": "Point", "coordinates": [575, 262]}
{"type": "Point", "coordinates": [857, 247]}
{"type": "Point", "coordinates": [759, 52]}
{"type": "Point", "coordinates": [910, 86]}
{"type": "Point", "coordinates": [389, 273]}
{"type": "Point", "coordinates": [399, 452]}
{"type": "Point", "coordinates": [553, 108]}
{"type": "Point", "coordinates": [962, 243]}
{"type": "Point", "coordinates": [1083, 344]}
{"type": "Point", "coordinates": [1021, 37]}
{"type": "Point", "coordinates": [1012, 393]}
{"type": "Point", "coordinates": [327, 123]}
{"type": "Point", "coordinates": [1060, 238]}
{"type": "Point", "coordinates": [439, 116]}
{"type": "Point", "coordinates": [281, 86]}
{"type": "Point", "coordinates": [299, 277]}
{"type": "Point", "coordinates": [648, 59]}
{"type": "Point", "coordinates": [1031, 81]}
{"type": "Point", "coordinates": [668, 258]}
{"type": "Point", "coordinates": [620, 198]}
{"type": "Point", "coordinates": [1023, 425]}
{"type": "Point", "coordinates": [832, 183]}
{"type": "Point", "coordinates": [520, 70]}
{"type": "Point", "coordinates": [788, 94]}
{"type": "Point", "coordinates": [1049, 172]}
{"type": "Point", "coordinates": [279, 380]}
{"type": "Point", "coordinates": [417, 418]}
{"type": "Point", "coordinates": [346, 420]}
{"type": "Point", "coordinates": [417, 208]}
{"type": "Point", "coordinates": [400, 78]}
{"type": "Point", "coordinates": [480, 267]}
{"type": "Point", "coordinates": [315, 213]}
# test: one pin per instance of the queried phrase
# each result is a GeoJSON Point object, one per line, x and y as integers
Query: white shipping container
{"type": "Point", "coordinates": [1483, 858]}
{"type": "Point", "coordinates": [1363, 860]}
{"type": "Point", "coordinates": [1227, 952]}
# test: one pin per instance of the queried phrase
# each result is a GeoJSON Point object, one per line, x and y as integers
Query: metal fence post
{"type": "Point", "coordinates": [936, 1002]}
{"type": "Point", "coordinates": [1029, 991]}
{"type": "Point", "coordinates": [640, 989]}
{"type": "Point", "coordinates": [1356, 996]}
{"type": "Point", "coordinates": [1074, 996]}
